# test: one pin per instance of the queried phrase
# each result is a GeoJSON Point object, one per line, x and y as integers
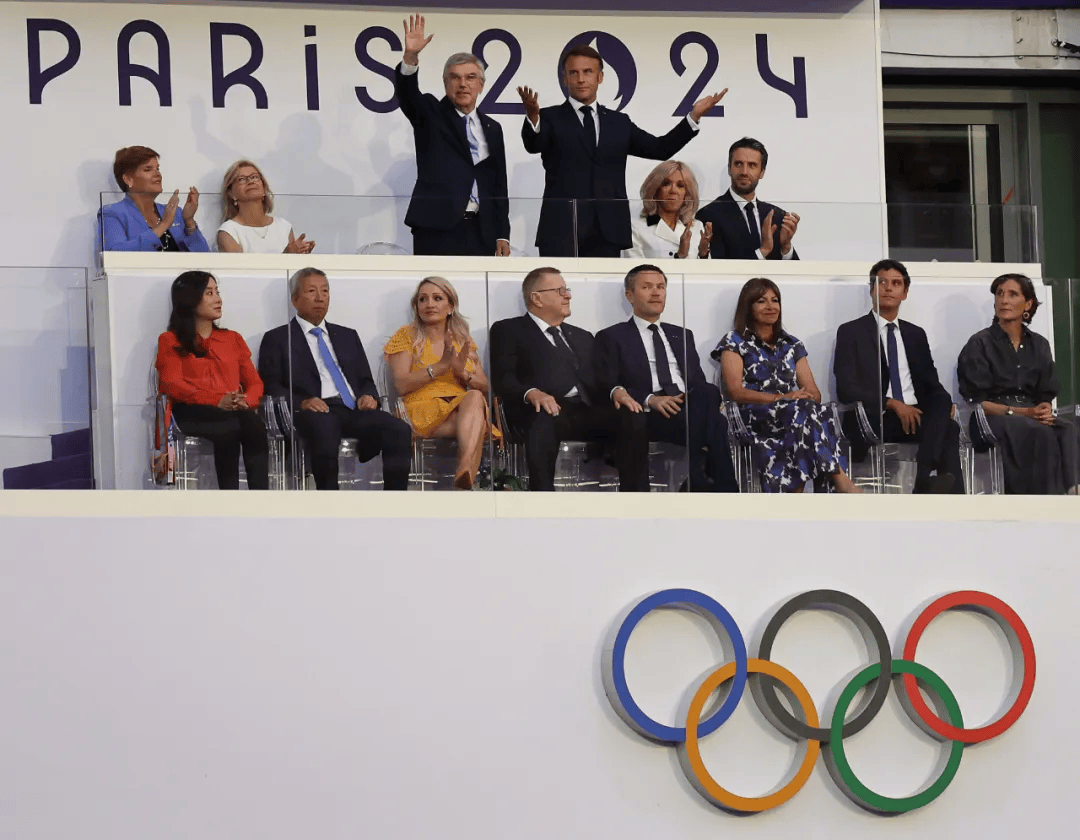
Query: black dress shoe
{"type": "Point", "coordinates": [940, 483]}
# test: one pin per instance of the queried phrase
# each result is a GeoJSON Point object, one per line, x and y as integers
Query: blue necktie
{"type": "Point", "coordinates": [474, 150]}
{"type": "Point", "coordinates": [335, 371]}
{"type": "Point", "coordinates": [894, 365]}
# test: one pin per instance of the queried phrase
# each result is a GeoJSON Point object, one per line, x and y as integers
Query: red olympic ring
{"type": "Point", "coordinates": [1004, 615]}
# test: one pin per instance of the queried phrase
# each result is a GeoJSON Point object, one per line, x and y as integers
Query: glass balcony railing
{"type": "Point", "coordinates": [568, 228]}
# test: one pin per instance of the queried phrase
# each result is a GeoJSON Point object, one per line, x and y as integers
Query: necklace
{"type": "Point", "coordinates": [261, 230]}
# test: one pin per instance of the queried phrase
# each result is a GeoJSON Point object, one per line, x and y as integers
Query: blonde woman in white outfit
{"type": "Point", "coordinates": [247, 225]}
{"type": "Point", "coordinates": [666, 228]}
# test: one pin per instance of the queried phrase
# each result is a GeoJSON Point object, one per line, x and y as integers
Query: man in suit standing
{"type": "Point", "coordinates": [542, 370]}
{"type": "Point", "coordinates": [653, 376]}
{"type": "Point", "coordinates": [744, 226]}
{"type": "Point", "coordinates": [459, 205]}
{"type": "Point", "coordinates": [584, 149]}
{"type": "Point", "coordinates": [886, 363]}
{"type": "Point", "coordinates": [323, 370]}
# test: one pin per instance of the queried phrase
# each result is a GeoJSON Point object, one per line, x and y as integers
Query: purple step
{"type": "Point", "coordinates": [70, 472]}
{"type": "Point", "coordinates": [71, 443]}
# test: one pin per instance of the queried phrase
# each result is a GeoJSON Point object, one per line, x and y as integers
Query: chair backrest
{"type": "Point", "coordinates": [388, 248]}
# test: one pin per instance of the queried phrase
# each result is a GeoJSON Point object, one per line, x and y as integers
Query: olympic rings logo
{"type": "Point", "coordinates": [944, 722]}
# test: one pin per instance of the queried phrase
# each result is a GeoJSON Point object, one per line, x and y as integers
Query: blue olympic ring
{"type": "Point", "coordinates": [614, 670]}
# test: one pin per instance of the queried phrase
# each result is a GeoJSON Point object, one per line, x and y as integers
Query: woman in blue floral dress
{"type": "Point", "coordinates": [766, 372]}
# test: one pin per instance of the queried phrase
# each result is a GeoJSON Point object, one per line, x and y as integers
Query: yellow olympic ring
{"type": "Point", "coordinates": [704, 782]}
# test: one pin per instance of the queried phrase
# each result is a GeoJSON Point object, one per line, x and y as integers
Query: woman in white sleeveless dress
{"type": "Point", "coordinates": [247, 225]}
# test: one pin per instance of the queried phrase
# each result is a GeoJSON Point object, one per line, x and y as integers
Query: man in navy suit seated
{"type": "Point", "coordinates": [323, 370]}
{"type": "Point", "coordinates": [584, 149]}
{"type": "Point", "coordinates": [542, 370]}
{"type": "Point", "coordinates": [652, 374]}
{"type": "Point", "coordinates": [744, 226]}
{"type": "Point", "coordinates": [459, 205]}
{"type": "Point", "coordinates": [886, 363]}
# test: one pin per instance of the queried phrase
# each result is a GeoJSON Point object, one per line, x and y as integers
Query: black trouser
{"type": "Point", "coordinates": [463, 239]}
{"type": "Point", "coordinates": [543, 433]}
{"type": "Point", "coordinates": [699, 426]}
{"type": "Point", "coordinates": [375, 431]}
{"type": "Point", "coordinates": [938, 438]}
{"type": "Point", "coordinates": [229, 432]}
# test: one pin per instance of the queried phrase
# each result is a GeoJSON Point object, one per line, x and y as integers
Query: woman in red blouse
{"type": "Point", "coordinates": [214, 389]}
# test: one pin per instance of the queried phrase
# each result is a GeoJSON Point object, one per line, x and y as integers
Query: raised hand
{"type": "Point", "coordinates": [458, 360]}
{"type": "Point", "coordinates": [169, 213]}
{"type": "Point", "coordinates": [298, 245]}
{"type": "Point", "coordinates": [684, 242]}
{"type": "Point", "coordinates": [190, 206]}
{"type": "Point", "coordinates": [768, 229]}
{"type": "Point", "coordinates": [414, 38]}
{"type": "Point", "coordinates": [787, 231]}
{"type": "Point", "coordinates": [705, 242]}
{"type": "Point", "coordinates": [532, 103]}
{"type": "Point", "coordinates": [705, 104]}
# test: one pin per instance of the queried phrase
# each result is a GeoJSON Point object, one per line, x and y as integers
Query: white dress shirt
{"type": "Point", "coordinates": [329, 389]}
{"type": "Point", "coordinates": [650, 354]}
{"type": "Point", "coordinates": [544, 325]}
{"type": "Point", "coordinates": [906, 384]}
{"type": "Point", "coordinates": [742, 202]}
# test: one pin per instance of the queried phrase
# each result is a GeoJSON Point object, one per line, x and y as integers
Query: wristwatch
{"type": "Point", "coordinates": [431, 371]}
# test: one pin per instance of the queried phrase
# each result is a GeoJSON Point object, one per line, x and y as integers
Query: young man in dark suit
{"type": "Point", "coordinates": [744, 227]}
{"type": "Point", "coordinates": [652, 375]}
{"type": "Point", "coordinates": [886, 363]}
{"type": "Point", "coordinates": [542, 371]}
{"type": "Point", "coordinates": [323, 370]}
{"type": "Point", "coordinates": [584, 149]}
{"type": "Point", "coordinates": [459, 205]}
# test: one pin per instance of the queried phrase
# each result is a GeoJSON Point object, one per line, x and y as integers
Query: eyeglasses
{"type": "Point", "coordinates": [243, 179]}
{"type": "Point", "coordinates": [564, 291]}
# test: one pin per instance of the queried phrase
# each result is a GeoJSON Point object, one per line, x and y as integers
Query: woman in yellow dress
{"type": "Point", "coordinates": [438, 374]}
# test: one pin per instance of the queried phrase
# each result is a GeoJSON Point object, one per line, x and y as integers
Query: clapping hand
{"type": "Point", "coordinates": [705, 242]}
{"type": "Point", "coordinates": [170, 210]}
{"type": "Point", "coordinates": [458, 360]}
{"type": "Point", "coordinates": [414, 39]}
{"type": "Point", "coordinates": [768, 229]}
{"type": "Point", "coordinates": [532, 103]}
{"type": "Point", "coordinates": [684, 241]}
{"type": "Point", "coordinates": [298, 245]}
{"type": "Point", "coordinates": [190, 206]}
{"type": "Point", "coordinates": [787, 230]}
{"type": "Point", "coordinates": [706, 104]}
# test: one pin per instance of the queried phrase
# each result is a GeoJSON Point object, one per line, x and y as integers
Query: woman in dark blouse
{"type": "Point", "coordinates": [766, 372]}
{"type": "Point", "coordinates": [1010, 370]}
{"type": "Point", "coordinates": [213, 387]}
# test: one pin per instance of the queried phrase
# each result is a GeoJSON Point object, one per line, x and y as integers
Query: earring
{"type": "Point", "coordinates": [1027, 315]}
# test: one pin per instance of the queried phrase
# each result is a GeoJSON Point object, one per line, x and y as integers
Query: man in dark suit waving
{"type": "Point", "coordinates": [323, 370]}
{"type": "Point", "coordinates": [542, 370]}
{"type": "Point", "coordinates": [651, 373]}
{"type": "Point", "coordinates": [745, 227]}
{"type": "Point", "coordinates": [584, 149]}
{"type": "Point", "coordinates": [459, 205]}
{"type": "Point", "coordinates": [886, 363]}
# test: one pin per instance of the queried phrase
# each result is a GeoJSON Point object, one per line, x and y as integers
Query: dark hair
{"type": "Point", "coordinates": [584, 51]}
{"type": "Point", "coordinates": [887, 265]}
{"type": "Point", "coordinates": [631, 275]}
{"type": "Point", "coordinates": [751, 292]}
{"type": "Point", "coordinates": [128, 159]}
{"type": "Point", "coordinates": [532, 280]}
{"type": "Point", "coordinates": [187, 292]}
{"type": "Point", "coordinates": [1026, 286]}
{"type": "Point", "coordinates": [749, 143]}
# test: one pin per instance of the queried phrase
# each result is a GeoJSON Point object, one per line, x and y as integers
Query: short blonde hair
{"type": "Point", "coordinates": [656, 178]}
{"type": "Point", "coordinates": [228, 205]}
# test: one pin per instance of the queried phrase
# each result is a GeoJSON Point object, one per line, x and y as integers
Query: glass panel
{"type": "Point", "coordinates": [45, 438]}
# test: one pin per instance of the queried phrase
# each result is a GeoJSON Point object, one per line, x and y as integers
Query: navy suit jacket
{"type": "Point", "coordinates": [621, 359]}
{"type": "Point", "coordinates": [444, 167]}
{"type": "Point", "coordinates": [731, 239]}
{"type": "Point", "coordinates": [523, 358]}
{"type": "Point", "coordinates": [277, 359]}
{"type": "Point", "coordinates": [862, 369]}
{"type": "Point", "coordinates": [572, 171]}
{"type": "Point", "coordinates": [123, 228]}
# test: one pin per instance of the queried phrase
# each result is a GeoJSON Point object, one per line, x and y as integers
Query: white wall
{"type": "Point", "coordinates": [316, 672]}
